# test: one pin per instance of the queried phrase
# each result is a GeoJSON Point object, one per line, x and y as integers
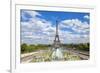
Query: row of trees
{"type": "Point", "coordinates": [30, 48]}
{"type": "Point", "coordinates": [81, 46]}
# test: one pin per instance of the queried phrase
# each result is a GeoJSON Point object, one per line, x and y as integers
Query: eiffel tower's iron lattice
{"type": "Point", "coordinates": [56, 43]}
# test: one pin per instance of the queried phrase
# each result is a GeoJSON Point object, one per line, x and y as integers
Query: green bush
{"type": "Point", "coordinates": [30, 48]}
{"type": "Point", "coordinates": [81, 46]}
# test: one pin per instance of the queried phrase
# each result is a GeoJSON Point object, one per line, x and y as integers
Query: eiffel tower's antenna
{"type": "Point", "coordinates": [56, 27]}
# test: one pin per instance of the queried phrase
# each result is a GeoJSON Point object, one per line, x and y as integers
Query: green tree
{"type": "Point", "coordinates": [23, 48]}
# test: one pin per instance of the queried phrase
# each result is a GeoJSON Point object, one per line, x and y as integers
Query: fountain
{"type": "Point", "coordinates": [57, 54]}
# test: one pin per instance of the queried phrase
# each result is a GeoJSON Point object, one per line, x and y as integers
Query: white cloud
{"type": "Point", "coordinates": [76, 25]}
{"type": "Point", "coordinates": [36, 30]}
{"type": "Point", "coordinates": [25, 15]}
{"type": "Point", "coordinates": [81, 28]}
{"type": "Point", "coordinates": [31, 13]}
{"type": "Point", "coordinates": [86, 17]}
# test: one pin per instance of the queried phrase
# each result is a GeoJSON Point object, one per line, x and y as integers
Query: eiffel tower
{"type": "Point", "coordinates": [57, 43]}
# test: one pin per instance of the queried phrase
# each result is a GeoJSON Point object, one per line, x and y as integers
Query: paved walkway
{"type": "Point", "coordinates": [29, 56]}
{"type": "Point", "coordinates": [83, 55]}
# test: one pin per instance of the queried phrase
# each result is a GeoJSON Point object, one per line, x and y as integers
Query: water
{"type": "Point", "coordinates": [57, 54]}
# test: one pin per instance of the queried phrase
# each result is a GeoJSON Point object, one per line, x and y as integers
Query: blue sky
{"type": "Point", "coordinates": [38, 27]}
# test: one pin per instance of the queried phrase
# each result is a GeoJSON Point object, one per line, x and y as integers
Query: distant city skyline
{"type": "Point", "coordinates": [38, 27]}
